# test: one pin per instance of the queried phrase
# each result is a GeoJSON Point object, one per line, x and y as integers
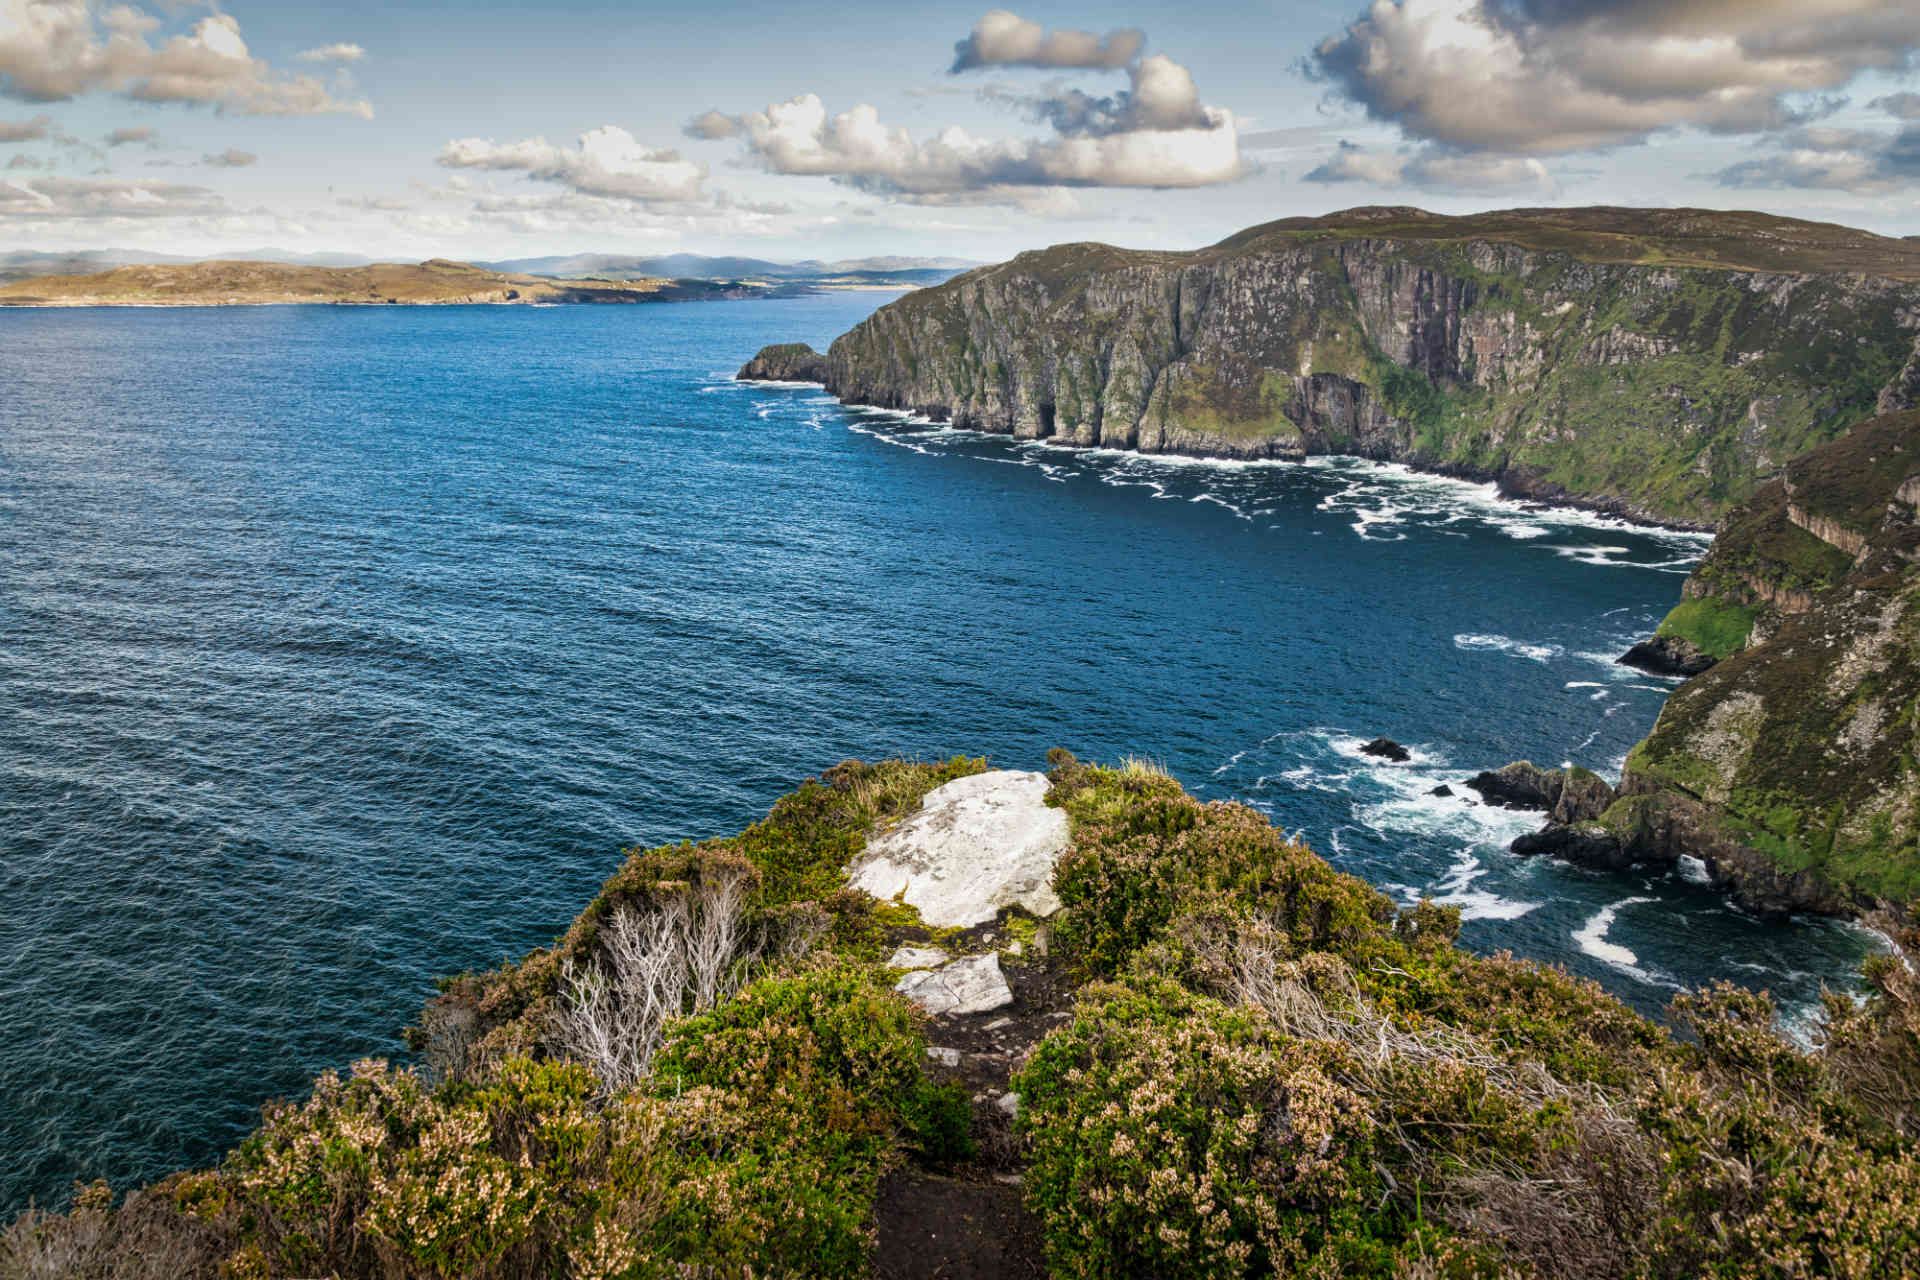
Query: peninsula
{"type": "Point", "coordinates": [1656, 364]}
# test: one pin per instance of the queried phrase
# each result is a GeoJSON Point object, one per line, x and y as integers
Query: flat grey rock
{"type": "Point", "coordinates": [975, 846]}
{"type": "Point", "coordinates": [970, 985]}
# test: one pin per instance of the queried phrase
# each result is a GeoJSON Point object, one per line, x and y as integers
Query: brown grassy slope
{"type": "Point", "coordinates": [220, 283]}
{"type": "Point", "coordinates": [1739, 240]}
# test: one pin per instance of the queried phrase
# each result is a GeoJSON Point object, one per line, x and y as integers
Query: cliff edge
{"type": "Point", "coordinates": [1653, 363]}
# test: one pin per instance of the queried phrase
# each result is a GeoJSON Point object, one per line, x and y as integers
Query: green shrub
{"type": "Point", "coordinates": [1174, 1136]}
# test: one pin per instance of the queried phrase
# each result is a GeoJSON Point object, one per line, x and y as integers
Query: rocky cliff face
{"type": "Point", "coordinates": [1653, 363]}
{"type": "Point", "coordinates": [1789, 768]}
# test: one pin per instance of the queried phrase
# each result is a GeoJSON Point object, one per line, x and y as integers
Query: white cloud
{"type": "Point", "coordinates": [332, 53]}
{"type": "Point", "coordinates": [1544, 76]}
{"type": "Point", "coordinates": [1863, 161]}
{"type": "Point", "coordinates": [1435, 169]}
{"type": "Point", "coordinates": [607, 161]}
{"type": "Point", "coordinates": [67, 198]}
{"type": "Point", "coordinates": [54, 50]}
{"type": "Point", "coordinates": [1003, 39]}
{"type": "Point", "coordinates": [142, 134]}
{"type": "Point", "coordinates": [231, 158]}
{"type": "Point", "coordinates": [856, 147]}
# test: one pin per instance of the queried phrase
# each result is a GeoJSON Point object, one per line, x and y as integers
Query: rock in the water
{"type": "Point", "coordinates": [785, 362]}
{"type": "Point", "coordinates": [1584, 796]}
{"type": "Point", "coordinates": [1387, 749]}
{"type": "Point", "coordinates": [1520, 785]}
{"type": "Point", "coordinates": [1587, 845]}
{"type": "Point", "coordinates": [916, 958]}
{"type": "Point", "coordinates": [975, 846]}
{"type": "Point", "coordinates": [973, 984]}
{"type": "Point", "coordinates": [1667, 656]}
{"type": "Point", "coordinates": [1568, 796]}
{"type": "Point", "coordinates": [1442, 790]}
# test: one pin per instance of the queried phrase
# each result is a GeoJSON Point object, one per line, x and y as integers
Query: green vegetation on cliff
{"type": "Point", "coordinates": [1266, 1069]}
{"type": "Point", "coordinates": [1802, 743]}
{"type": "Point", "coordinates": [1657, 362]}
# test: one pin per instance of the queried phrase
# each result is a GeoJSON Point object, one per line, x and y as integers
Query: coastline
{"type": "Point", "coordinates": [1505, 483]}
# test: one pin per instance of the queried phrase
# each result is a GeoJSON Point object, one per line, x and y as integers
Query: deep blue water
{"type": "Point", "coordinates": [343, 648]}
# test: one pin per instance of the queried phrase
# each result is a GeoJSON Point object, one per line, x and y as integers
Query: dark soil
{"type": "Point", "coordinates": [969, 1222]}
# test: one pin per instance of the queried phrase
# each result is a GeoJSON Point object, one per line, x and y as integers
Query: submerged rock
{"type": "Point", "coordinates": [785, 362]}
{"type": "Point", "coordinates": [1387, 749]}
{"type": "Point", "coordinates": [976, 845]}
{"type": "Point", "coordinates": [1667, 656]}
{"type": "Point", "coordinates": [1442, 790]}
{"type": "Point", "coordinates": [970, 985]}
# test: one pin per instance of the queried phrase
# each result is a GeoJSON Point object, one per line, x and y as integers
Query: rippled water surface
{"type": "Point", "coordinates": [342, 648]}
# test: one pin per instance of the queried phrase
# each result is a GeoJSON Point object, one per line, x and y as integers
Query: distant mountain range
{"type": "Point", "coordinates": [29, 263]}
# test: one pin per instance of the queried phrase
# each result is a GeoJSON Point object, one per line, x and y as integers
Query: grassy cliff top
{"type": "Point", "coordinates": [212, 283]}
{"type": "Point", "coordinates": [1232, 1062]}
{"type": "Point", "coordinates": [1709, 239]}
{"type": "Point", "coordinates": [1851, 480]}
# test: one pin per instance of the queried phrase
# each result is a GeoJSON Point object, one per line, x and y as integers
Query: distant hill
{"type": "Point", "coordinates": [24, 264]}
{"type": "Point", "coordinates": [228, 282]}
{"type": "Point", "coordinates": [693, 266]}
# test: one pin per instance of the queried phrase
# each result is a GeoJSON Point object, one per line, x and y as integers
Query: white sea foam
{"type": "Point", "coordinates": [1591, 938]}
{"type": "Point", "coordinates": [1456, 890]}
{"type": "Point", "coordinates": [1502, 644]}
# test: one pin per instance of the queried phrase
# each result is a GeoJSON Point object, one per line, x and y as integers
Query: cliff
{"type": "Point", "coordinates": [1788, 766]}
{"type": "Point", "coordinates": [1802, 743]}
{"type": "Point", "coordinates": [1212, 1056]}
{"type": "Point", "coordinates": [1656, 363]}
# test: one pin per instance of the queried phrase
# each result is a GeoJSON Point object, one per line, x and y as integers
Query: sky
{"type": "Point", "coordinates": [403, 129]}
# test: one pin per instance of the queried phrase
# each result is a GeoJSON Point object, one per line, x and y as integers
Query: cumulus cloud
{"type": "Point", "coordinates": [857, 148]}
{"type": "Point", "coordinates": [21, 160]}
{"type": "Point", "coordinates": [142, 135]}
{"type": "Point", "coordinates": [231, 158]}
{"type": "Point", "coordinates": [710, 126]}
{"type": "Point", "coordinates": [1003, 39]}
{"type": "Point", "coordinates": [54, 50]}
{"type": "Point", "coordinates": [1161, 96]}
{"type": "Point", "coordinates": [1545, 76]}
{"type": "Point", "coordinates": [37, 129]}
{"type": "Point", "coordinates": [607, 161]}
{"type": "Point", "coordinates": [1434, 169]}
{"type": "Point", "coordinates": [67, 198]}
{"type": "Point", "coordinates": [1862, 161]}
{"type": "Point", "coordinates": [332, 53]}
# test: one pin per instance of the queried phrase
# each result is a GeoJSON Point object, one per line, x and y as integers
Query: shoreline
{"type": "Point", "coordinates": [1504, 486]}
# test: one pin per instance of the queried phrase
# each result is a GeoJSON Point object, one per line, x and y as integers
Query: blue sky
{"type": "Point", "coordinates": [474, 130]}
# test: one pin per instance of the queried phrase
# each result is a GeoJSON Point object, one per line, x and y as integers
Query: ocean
{"type": "Point", "coordinates": [342, 648]}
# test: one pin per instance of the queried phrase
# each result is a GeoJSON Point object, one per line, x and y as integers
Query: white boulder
{"type": "Point", "coordinates": [974, 846]}
{"type": "Point", "coordinates": [973, 984]}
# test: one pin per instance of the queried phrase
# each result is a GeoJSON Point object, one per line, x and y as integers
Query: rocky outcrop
{"type": "Point", "coordinates": [976, 846]}
{"type": "Point", "coordinates": [1566, 796]}
{"type": "Point", "coordinates": [1387, 749]}
{"type": "Point", "coordinates": [785, 362]}
{"type": "Point", "coordinates": [1538, 348]}
{"type": "Point", "coordinates": [1668, 656]}
{"type": "Point", "coordinates": [1789, 768]}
